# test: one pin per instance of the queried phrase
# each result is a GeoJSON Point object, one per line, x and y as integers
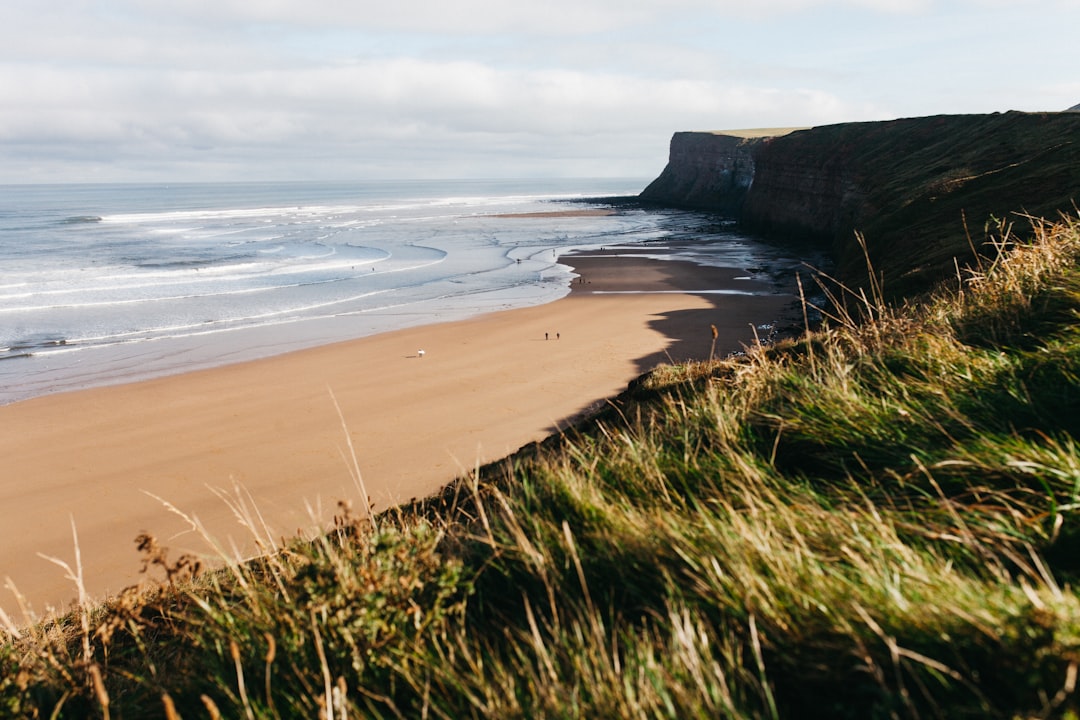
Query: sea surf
{"type": "Point", "coordinates": [112, 283]}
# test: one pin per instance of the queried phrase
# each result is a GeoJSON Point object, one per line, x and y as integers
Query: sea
{"type": "Point", "coordinates": [109, 283]}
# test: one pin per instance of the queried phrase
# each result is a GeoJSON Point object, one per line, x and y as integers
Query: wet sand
{"type": "Point", "coordinates": [156, 455]}
{"type": "Point", "coordinates": [588, 212]}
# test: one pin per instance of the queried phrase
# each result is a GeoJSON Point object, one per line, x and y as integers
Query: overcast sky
{"type": "Point", "coordinates": [172, 90]}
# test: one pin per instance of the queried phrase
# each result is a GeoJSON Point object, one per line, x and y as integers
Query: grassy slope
{"type": "Point", "coordinates": [876, 520]}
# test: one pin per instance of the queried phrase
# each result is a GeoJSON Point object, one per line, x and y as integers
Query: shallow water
{"type": "Point", "coordinates": [108, 283]}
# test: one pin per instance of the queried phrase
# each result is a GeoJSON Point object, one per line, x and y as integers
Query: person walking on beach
{"type": "Point", "coordinates": [420, 353]}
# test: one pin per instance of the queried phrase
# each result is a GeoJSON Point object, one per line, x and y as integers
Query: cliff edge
{"type": "Point", "coordinates": [915, 188]}
{"type": "Point", "coordinates": [709, 170]}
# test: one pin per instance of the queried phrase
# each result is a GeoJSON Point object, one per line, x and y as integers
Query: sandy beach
{"type": "Point", "coordinates": [156, 455]}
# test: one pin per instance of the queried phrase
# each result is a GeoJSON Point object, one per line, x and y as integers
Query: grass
{"type": "Point", "coordinates": [875, 519]}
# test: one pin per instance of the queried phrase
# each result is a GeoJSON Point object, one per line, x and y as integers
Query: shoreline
{"type": "Point", "coordinates": [86, 353]}
{"type": "Point", "coordinates": [161, 455]}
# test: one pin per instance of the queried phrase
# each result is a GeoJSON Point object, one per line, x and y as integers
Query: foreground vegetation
{"type": "Point", "coordinates": [876, 519]}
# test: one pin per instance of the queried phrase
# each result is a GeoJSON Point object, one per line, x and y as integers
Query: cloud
{"type": "Point", "coordinates": [432, 17]}
{"type": "Point", "coordinates": [474, 87]}
{"type": "Point", "coordinates": [334, 103]}
{"type": "Point", "coordinates": [397, 113]}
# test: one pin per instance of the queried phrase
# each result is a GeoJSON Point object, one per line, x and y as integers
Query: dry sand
{"type": "Point", "coordinates": [113, 460]}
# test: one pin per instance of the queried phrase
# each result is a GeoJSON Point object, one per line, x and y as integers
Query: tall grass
{"type": "Point", "coordinates": [876, 519]}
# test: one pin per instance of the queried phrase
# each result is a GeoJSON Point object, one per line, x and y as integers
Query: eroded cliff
{"type": "Point", "coordinates": [711, 171]}
{"type": "Point", "coordinates": [914, 188]}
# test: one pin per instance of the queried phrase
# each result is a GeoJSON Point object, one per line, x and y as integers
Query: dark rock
{"type": "Point", "coordinates": [916, 189]}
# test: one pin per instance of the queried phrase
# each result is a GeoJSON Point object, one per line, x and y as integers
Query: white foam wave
{"type": "Point", "coordinates": [161, 269]}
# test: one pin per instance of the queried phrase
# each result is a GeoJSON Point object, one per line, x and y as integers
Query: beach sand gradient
{"type": "Point", "coordinates": [113, 461]}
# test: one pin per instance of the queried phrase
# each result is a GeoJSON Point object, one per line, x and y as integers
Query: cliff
{"type": "Point", "coordinates": [915, 188]}
{"type": "Point", "coordinates": [708, 170]}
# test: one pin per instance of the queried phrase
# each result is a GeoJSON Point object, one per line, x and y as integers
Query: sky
{"type": "Point", "coordinates": [224, 90]}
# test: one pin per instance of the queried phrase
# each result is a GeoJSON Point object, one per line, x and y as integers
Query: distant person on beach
{"type": "Point", "coordinates": [420, 353]}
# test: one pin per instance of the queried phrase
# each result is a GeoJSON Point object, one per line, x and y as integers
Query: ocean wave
{"type": "Point", "coordinates": [30, 346]}
{"type": "Point", "coordinates": [132, 267]}
{"type": "Point", "coordinates": [283, 268]}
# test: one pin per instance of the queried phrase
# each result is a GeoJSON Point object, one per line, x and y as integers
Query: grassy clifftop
{"type": "Point", "coordinates": [878, 519]}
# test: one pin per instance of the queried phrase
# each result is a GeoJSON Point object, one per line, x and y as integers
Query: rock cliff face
{"type": "Point", "coordinates": [914, 188]}
{"type": "Point", "coordinates": [710, 171]}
